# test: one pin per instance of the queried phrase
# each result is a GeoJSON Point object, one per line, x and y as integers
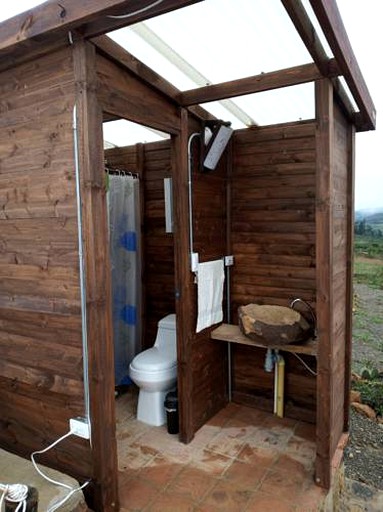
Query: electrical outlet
{"type": "Point", "coordinates": [79, 427]}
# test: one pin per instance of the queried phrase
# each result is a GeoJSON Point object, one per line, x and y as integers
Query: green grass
{"type": "Point", "coordinates": [371, 392]}
{"type": "Point", "coordinates": [368, 247]}
{"type": "Point", "coordinates": [369, 273]}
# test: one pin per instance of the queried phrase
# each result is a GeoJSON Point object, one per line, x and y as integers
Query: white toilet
{"type": "Point", "coordinates": [154, 371]}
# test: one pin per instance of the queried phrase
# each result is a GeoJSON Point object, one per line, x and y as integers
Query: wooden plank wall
{"type": "Point", "coordinates": [40, 322]}
{"type": "Point", "coordinates": [273, 241]}
{"type": "Point", "coordinates": [158, 246]}
{"type": "Point", "coordinates": [208, 357]}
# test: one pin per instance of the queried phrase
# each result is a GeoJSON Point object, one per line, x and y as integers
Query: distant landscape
{"type": "Point", "coordinates": [368, 247]}
{"type": "Point", "coordinates": [369, 222]}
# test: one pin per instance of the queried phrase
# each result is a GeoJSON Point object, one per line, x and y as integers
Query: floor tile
{"type": "Point", "coordinates": [160, 471]}
{"type": "Point", "coordinates": [257, 456]}
{"type": "Point", "coordinates": [227, 497]}
{"type": "Point", "coordinates": [261, 502]}
{"type": "Point", "coordinates": [242, 460]}
{"type": "Point", "coordinates": [211, 463]}
{"type": "Point", "coordinates": [168, 502]}
{"type": "Point", "coordinates": [226, 444]}
{"type": "Point", "coordinates": [136, 494]}
{"type": "Point", "coordinates": [283, 483]}
{"type": "Point", "coordinates": [192, 484]}
{"type": "Point", "coordinates": [245, 476]}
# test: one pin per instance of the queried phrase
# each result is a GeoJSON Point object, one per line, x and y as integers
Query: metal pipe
{"type": "Point", "coordinates": [313, 315]}
{"type": "Point", "coordinates": [82, 273]}
{"type": "Point", "coordinates": [228, 314]}
{"type": "Point", "coordinates": [190, 188]}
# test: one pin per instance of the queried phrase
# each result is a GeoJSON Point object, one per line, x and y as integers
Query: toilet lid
{"type": "Point", "coordinates": [152, 360]}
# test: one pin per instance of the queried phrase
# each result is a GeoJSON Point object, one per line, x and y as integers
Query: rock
{"type": "Point", "coordinates": [273, 325]}
{"type": "Point", "coordinates": [364, 409]}
{"type": "Point", "coordinates": [355, 396]}
{"type": "Point", "coordinates": [355, 377]}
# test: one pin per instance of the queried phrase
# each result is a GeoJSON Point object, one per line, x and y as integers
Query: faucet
{"type": "Point", "coordinates": [313, 316]}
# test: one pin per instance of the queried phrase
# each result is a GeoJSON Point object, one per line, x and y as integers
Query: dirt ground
{"type": "Point", "coordinates": [367, 327]}
{"type": "Point", "coordinates": [364, 453]}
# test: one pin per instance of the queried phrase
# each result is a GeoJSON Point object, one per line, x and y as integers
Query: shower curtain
{"type": "Point", "coordinates": [124, 240]}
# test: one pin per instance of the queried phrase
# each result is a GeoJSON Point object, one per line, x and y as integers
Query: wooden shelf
{"type": "Point", "coordinates": [233, 334]}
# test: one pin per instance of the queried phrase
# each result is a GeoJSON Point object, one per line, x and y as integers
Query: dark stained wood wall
{"type": "Point", "coordinates": [207, 359]}
{"type": "Point", "coordinates": [273, 241]}
{"type": "Point", "coordinates": [158, 246]}
{"type": "Point", "coordinates": [40, 322]}
{"type": "Point", "coordinates": [335, 178]}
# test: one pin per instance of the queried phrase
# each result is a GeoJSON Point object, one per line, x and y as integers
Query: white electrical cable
{"type": "Point", "coordinates": [15, 493]}
{"type": "Point", "coordinates": [139, 11]}
{"type": "Point", "coordinates": [71, 489]}
{"type": "Point", "coordinates": [304, 364]}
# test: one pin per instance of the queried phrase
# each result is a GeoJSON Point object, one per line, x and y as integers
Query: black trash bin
{"type": "Point", "coordinates": [171, 408]}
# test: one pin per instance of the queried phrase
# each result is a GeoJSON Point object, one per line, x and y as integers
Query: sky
{"type": "Point", "coordinates": [363, 22]}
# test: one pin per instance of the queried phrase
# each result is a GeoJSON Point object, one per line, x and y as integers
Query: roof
{"type": "Point", "coordinates": [208, 48]}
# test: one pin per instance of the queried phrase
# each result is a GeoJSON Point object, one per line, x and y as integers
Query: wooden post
{"type": "Point", "coordinates": [324, 270]}
{"type": "Point", "coordinates": [183, 283]}
{"type": "Point", "coordinates": [103, 488]}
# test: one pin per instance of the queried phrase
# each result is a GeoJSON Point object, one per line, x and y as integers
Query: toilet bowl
{"type": "Point", "coordinates": [154, 371]}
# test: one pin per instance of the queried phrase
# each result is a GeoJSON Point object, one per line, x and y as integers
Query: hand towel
{"type": "Point", "coordinates": [211, 277]}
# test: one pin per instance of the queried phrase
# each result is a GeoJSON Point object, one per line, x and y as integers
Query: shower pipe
{"type": "Point", "coordinates": [190, 189]}
{"type": "Point", "coordinates": [85, 361]}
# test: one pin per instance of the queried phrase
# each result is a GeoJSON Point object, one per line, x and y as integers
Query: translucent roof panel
{"type": "Point", "coordinates": [280, 105]}
{"type": "Point", "coordinates": [125, 133]}
{"type": "Point", "coordinates": [228, 39]}
{"type": "Point", "coordinates": [220, 40]}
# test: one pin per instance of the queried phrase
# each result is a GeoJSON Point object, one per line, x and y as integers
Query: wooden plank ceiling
{"type": "Point", "coordinates": [52, 21]}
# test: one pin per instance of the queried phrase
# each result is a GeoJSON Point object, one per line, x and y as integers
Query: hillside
{"type": "Point", "coordinates": [371, 216]}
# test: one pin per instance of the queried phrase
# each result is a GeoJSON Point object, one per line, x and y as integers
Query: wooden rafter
{"type": "Point", "coordinates": [258, 83]}
{"type": "Point", "coordinates": [89, 18]}
{"type": "Point", "coordinates": [307, 32]}
{"type": "Point", "coordinates": [332, 25]}
{"type": "Point", "coordinates": [331, 22]}
{"type": "Point", "coordinates": [109, 47]}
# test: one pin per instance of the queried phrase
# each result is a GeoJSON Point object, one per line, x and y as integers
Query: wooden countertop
{"type": "Point", "coordinates": [233, 334]}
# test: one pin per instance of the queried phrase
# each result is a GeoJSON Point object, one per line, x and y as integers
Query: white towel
{"type": "Point", "coordinates": [211, 277]}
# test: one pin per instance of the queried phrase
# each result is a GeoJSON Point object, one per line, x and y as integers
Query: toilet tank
{"type": "Point", "coordinates": [166, 334]}
{"type": "Point", "coordinates": [168, 322]}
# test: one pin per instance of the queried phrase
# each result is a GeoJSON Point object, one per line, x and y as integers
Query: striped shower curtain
{"type": "Point", "coordinates": [124, 239]}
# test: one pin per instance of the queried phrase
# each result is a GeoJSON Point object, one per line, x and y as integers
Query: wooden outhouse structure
{"type": "Point", "coordinates": [280, 201]}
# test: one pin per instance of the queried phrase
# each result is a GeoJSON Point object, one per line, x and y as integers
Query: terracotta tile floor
{"type": "Point", "coordinates": [242, 460]}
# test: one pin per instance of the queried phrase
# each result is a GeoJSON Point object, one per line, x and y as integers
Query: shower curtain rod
{"type": "Point", "coordinates": [121, 172]}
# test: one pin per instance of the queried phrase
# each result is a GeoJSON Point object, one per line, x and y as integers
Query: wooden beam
{"type": "Point", "coordinates": [258, 83]}
{"type": "Point", "coordinates": [306, 30]}
{"type": "Point", "coordinates": [331, 22]}
{"type": "Point", "coordinates": [324, 270]}
{"type": "Point", "coordinates": [184, 287]}
{"type": "Point", "coordinates": [98, 281]}
{"type": "Point", "coordinates": [110, 48]}
{"type": "Point", "coordinates": [89, 18]}
{"type": "Point", "coordinates": [107, 24]}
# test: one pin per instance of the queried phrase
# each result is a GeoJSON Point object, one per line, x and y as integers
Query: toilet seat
{"type": "Point", "coordinates": [152, 360]}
